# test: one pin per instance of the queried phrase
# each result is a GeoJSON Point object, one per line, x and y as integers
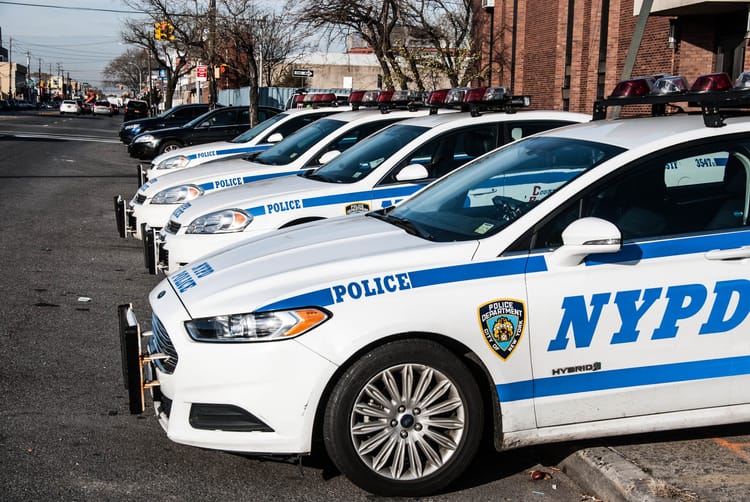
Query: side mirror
{"type": "Point", "coordinates": [275, 137]}
{"type": "Point", "coordinates": [328, 156]}
{"type": "Point", "coordinates": [412, 172]}
{"type": "Point", "coordinates": [584, 237]}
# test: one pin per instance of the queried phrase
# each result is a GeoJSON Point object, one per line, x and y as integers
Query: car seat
{"type": "Point", "coordinates": [733, 211]}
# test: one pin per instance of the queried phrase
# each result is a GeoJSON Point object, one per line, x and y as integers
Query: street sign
{"type": "Point", "coordinates": [201, 73]}
{"type": "Point", "coordinates": [302, 73]}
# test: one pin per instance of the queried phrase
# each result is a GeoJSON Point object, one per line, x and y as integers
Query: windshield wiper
{"type": "Point", "coordinates": [407, 225]}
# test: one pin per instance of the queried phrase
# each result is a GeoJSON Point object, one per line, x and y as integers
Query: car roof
{"type": "Point", "coordinates": [466, 118]}
{"type": "Point", "coordinates": [631, 133]}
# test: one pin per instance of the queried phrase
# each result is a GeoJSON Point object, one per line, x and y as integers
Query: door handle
{"type": "Point", "coordinates": [729, 254]}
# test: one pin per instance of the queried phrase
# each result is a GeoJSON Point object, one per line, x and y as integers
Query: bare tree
{"type": "Point", "coordinates": [373, 20]}
{"type": "Point", "coordinates": [413, 40]}
{"type": "Point", "coordinates": [129, 70]}
{"type": "Point", "coordinates": [176, 57]}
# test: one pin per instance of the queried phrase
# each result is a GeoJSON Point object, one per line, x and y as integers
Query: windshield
{"type": "Point", "coordinates": [486, 196]}
{"type": "Point", "coordinates": [255, 131]}
{"type": "Point", "coordinates": [293, 146]}
{"type": "Point", "coordinates": [361, 159]}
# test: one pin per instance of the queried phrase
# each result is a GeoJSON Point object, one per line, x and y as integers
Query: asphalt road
{"type": "Point", "coordinates": [65, 430]}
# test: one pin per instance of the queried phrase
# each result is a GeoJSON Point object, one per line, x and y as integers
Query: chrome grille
{"type": "Point", "coordinates": [172, 227]}
{"type": "Point", "coordinates": [139, 198]}
{"type": "Point", "coordinates": [161, 343]}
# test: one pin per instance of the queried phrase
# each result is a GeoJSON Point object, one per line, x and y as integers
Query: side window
{"type": "Point", "coordinates": [699, 191]}
{"type": "Point", "coordinates": [292, 125]}
{"type": "Point", "coordinates": [244, 116]}
{"type": "Point", "coordinates": [357, 134]}
{"type": "Point", "coordinates": [222, 118]}
{"type": "Point", "coordinates": [183, 114]}
{"type": "Point", "coordinates": [445, 153]}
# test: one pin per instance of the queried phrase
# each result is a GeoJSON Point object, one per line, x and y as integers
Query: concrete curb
{"type": "Point", "coordinates": [609, 475]}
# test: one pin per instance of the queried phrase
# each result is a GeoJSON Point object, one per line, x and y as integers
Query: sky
{"type": "Point", "coordinates": [81, 36]}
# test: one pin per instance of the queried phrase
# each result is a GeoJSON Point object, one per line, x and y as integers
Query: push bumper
{"type": "Point", "coordinates": [142, 173]}
{"type": "Point", "coordinates": [155, 257]}
{"type": "Point", "coordinates": [126, 222]}
{"type": "Point", "coordinates": [137, 363]}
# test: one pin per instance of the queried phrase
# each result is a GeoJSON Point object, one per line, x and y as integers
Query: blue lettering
{"type": "Point", "coordinates": [403, 281]}
{"type": "Point", "coordinates": [725, 290]}
{"type": "Point", "coordinates": [288, 205]}
{"type": "Point", "coordinates": [678, 308]}
{"type": "Point", "coordinates": [338, 293]}
{"type": "Point", "coordinates": [390, 283]}
{"type": "Point", "coordinates": [371, 287]}
{"type": "Point", "coordinates": [183, 281]}
{"type": "Point", "coordinates": [575, 318]}
{"type": "Point", "coordinates": [354, 290]}
{"type": "Point", "coordinates": [630, 314]}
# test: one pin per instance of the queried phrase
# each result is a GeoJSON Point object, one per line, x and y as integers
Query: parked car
{"type": "Point", "coordinates": [70, 106]}
{"type": "Point", "coordinates": [377, 172]}
{"type": "Point", "coordinates": [254, 140]}
{"type": "Point", "coordinates": [583, 282]}
{"type": "Point", "coordinates": [219, 124]}
{"type": "Point", "coordinates": [4, 105]}
{"type": "Point", "coordinates": [135, 109]}
{"type": "Point", "coordinates": [173, 117]}
{"type": "Point", "coordinates": [103, 107]}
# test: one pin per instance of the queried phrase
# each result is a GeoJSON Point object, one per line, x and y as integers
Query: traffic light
{"type": "Point", "coordinates": [163, 31]}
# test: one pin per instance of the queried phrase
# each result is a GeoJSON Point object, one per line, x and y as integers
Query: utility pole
{"type": "Point", "coordinates": [211, 53]}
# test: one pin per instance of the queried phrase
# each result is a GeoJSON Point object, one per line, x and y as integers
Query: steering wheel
{"type": "Point", "coordinates": [508, 208]}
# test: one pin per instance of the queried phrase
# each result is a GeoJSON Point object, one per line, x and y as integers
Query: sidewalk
{"type": "Point", "coordinates": [686, 466]}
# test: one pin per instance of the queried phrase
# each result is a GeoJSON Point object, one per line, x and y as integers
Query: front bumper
{"type": "Point", "coordinates": [143, 151]}
{"type": "Point", "coordinates": [244, 397]}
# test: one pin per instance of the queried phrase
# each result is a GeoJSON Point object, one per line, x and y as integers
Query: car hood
{"type": "Point", "coordinates": [307, 265]}
{"type": "Point", "coordinates": [236, 171]}
{"type": "Point", "coordinates": [259, 198]}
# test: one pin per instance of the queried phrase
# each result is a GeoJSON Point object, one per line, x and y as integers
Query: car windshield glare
{"type": "Point", "coordinates": [361, 159]}
{"type": "Point", "coordinates": [294, 145]}
{"type": "Point", "coordinates": [489, 194]}
{"type": "Point", "coordinates": [255, 131]}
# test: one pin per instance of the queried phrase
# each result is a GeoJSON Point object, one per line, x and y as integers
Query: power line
{"type": "Point", "coordinates": [92, 9]}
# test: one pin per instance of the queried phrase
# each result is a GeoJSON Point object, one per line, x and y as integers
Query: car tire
{"type": "Point", "coordinates": [378, 435]}
{"type": "Point", "coordinates": [169, 146]}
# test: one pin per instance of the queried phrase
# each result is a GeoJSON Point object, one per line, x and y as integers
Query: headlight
{"type": "Point", "coordinates": [134, 128]}
{"type": "Point", "coordinates": [144, 138]}
{"type": "Point", "coordinates": [173, 162]}
{"type": "Point", "coordinates": [220, 222]}
{"type": "Point", "coordinates": [264, 326]}
{"type": "Point", "coordinates": [177, 195]}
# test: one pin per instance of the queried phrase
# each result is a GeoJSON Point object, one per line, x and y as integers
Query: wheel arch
{"type": "Point", "coordinates": [300, 221]}
{"type": "Point", "coordinates": [492, 406]}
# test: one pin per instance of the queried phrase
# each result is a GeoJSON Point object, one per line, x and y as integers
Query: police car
{"type": "Point", "coordinates": [568, 285]}
{"type": "Point", "coordinates": [256, 139]}
{"type": "Point", "coordinates": [376, 173]}
{"type": "Point", "coordinates": [307, 148]}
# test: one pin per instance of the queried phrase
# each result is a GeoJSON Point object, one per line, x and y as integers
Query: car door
{"type": "Point", "coordinates": [661, 325]}
{"type": "Point", "coordinates": [220, 125]}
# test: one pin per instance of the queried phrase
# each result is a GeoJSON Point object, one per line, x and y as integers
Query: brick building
{"type": "Point", "coordinates": [566, 53]}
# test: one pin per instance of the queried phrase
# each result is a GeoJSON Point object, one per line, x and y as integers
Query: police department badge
{"type": "Point", "coordinates": [502, 323]}
{"type": "Point", "coordinates": [357, 207]}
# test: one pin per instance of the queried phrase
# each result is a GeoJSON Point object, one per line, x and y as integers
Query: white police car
{"type": "Point", "coordinates": [378, 172]}
{"type": "Point", "coordinates": [307, 148]}
{"type": "Point", "coordinates": [565, 286]}
{"type": "Point", "coordinates": [256, 139]}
